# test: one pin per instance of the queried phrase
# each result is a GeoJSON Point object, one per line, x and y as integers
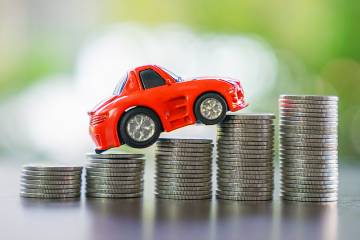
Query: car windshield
{"type": "Point", "coordinates": [120, 85]}
{"type": "Point", "coordinates": [173, 75]}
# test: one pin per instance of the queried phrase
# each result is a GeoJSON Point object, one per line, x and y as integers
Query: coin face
{"type": "Point", "coordinates": [310, 97]}
{"type": "Point", "coordinates": [56, 168]}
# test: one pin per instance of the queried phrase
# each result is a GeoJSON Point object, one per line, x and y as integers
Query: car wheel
{"type": "Point", "coordinates": [210, 108]}
{"type": "Point", "coordinates": [139, 127]}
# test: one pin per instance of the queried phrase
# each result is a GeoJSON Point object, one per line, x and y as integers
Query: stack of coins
{"type": "Point", "coordinates": [115, 175]}
{"type": "Point", "coordinates": [183, 169]}
{"type": "Point", "coordinates": [245, 157]}
{"type": "Point", "coordinates": [308, 148]}
{"type": "Point", "coordinates": [51, 182]}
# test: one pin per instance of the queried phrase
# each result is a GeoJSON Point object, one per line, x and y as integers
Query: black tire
{"type": "Point", "coordinates": [127, 139]}
{"type": "Point", "coordinates": [201, 118]}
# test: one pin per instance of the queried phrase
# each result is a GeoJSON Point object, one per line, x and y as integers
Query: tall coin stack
{"type": "Point", "coordinates": [50, 181]}
{"type": "Point", "coordinates": [115, 175]}
{"type": "Point", "coordinates": [308, 148]}
{"type": "Point", "coordinates": [245, 157]}
{"type": "Point", "coordinates": [183, 169]}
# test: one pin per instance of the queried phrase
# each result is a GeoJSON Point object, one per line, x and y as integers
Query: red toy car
{"type": "Point", "coordinates": [151, 99]}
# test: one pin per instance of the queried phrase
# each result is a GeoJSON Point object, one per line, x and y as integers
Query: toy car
{"type": "Point", "coordinates": [151, 99]}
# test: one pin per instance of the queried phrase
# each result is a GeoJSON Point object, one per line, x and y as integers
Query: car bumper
{"type": "Point", "coordinates": [104, 136]}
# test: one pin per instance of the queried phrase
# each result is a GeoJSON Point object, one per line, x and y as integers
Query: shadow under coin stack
{"type": "Point", "coordinates": [245, 157]}
{"type": "Point", "coordinates": [183, 169]}
{"type": "Point", "coordinates": [51, 182]}
{"type": "Point", "coordinates": [308, 148]}
{"type": "Point", "coordinates": [115, 175]}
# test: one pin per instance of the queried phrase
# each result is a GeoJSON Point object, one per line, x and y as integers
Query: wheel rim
{"type": "Point", "coordinates": [211, 108]}
{"type": "Point", "coordinates": [140, 127]}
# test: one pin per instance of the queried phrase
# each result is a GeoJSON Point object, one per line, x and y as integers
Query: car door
{"type": "Point", "coordinates": [164, 95]}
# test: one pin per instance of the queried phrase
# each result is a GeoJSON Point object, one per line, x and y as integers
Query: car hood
{"type": "Point", "coordinates": [232, 81]}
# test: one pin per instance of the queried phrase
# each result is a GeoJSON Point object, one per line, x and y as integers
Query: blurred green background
{"type": "Point", "coordinates": [316, 43]}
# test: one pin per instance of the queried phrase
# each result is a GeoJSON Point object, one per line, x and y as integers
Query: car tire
{"type": "Point", "coordinates": [131, 136]}
{"type": "Point", "coordinates": [207, 98]}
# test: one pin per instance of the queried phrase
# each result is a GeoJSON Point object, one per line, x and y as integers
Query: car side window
{"type": "Point", "coordinates": [150, 79]}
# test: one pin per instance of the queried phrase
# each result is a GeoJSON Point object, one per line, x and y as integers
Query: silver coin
{"type": "Point", "coordinates": [114, 183]}
{"type": "Point", "coordinates": [245, 143]}
{"type": "Point", "coordinates": [120, 156]}
{"type": "Point", "coordinates": [51, 182]}
{"type": "Point", "coordinates": [184, 163]}
{"type": "Point", "coordinates": [117, 161]}
{"type": "Point", "coordinates": [184, 144]}
{"type": "Point", "coordinates": [308, 144]}
{"type": "Point", "coordinates": [184, 184]}
{"type": "Point", "coordinates": [182, 167]}
{"type": "Point", "coordinates": [311, 187]}
{"type": "Point", "coordinates": [187, 150]}
{"type": "Point", "coordinates": [246, 185]}
{"type": "Point", "coordinates": [244, 189]}
{"type": "Point", "coordinates": [331, 137]}
{"type": "Point", "coordinates": [113, 178]}
{"type": "Point", "coordinates": [309, 165]}
{"type": "Point", "coordinates": [307, 199]}
{"type": "Point", "coordinates": [182, 180]}
{"type": "Point", "coordinates": [49, 196]}
{"type": "Point", "coordinates": [307, 148]}
{"type": "Point", "coordinates": [310, 120]}
{"type": "Point", "coordinates": [58, 168]}
{"type": "Point", "coordinates": [114, 186]}
{"type": "Point", "coordinates": [308, 110]}
{"type": "Point", "coordinates": [182, 171]}
{"type": "Point", "coordinates": [323, 103]}
{"type": "Point", "coordinates": [308, 190]}
{"type": "Point", "coordinates": [240, 159]}
{"type": "Point", "coordinates": [178, 197]}
{"type": "Point", "coordinates": [113, 190]}
{"type": "Point", "coordinates": [103, 165]}
{"type": "Point", "coordinates": [51, 173]}
{"type": "Point", "coordinates": [243, 140]}
{"type": "Point", "coordinates": [184, 154]}
{"type": "Point", "coordinates": [308, 114]}
{"type": "Point", "coordinates": [315, 195]}
{"type": "Point", "coordinates": [184, 140]}
{"type": "Point", "coordinates": [245, 151]}
{"type": "Point", "coordinates": [308, 123]}
{"type": "Point", "coordinates": [248, 121]}
{"type": "Point", "coordinates": [307, 127]}
{"type": "Point", "coordinates": [241, 198]}
{"type": "Point", "coordinates": [303, 181]}
{"type": "Point", "coordinates": [167, 188]}
{"type": "Point", "coordinates": [308, 152]}
{"type": "Point", "coordinates": [303, 177]}
{"type": "Point", "coordinates": [245, 147]}
{"type": "Point", "coordinates": [309, 170]}
{"type": "Point", "coordinates": [183, 193]}
{"type": "Point", "coordinates": [184, 147]}
{"type": "Point", "coordinates": [53, 178]}
{"type": "Point", "coordinates": [244, 156]}
{"type": "Point", "coordinates": [319, 141]}
{"type": "Point", "coordinates": [308, 174]}
{"type": "Point", "coordinates": [226, 180]}
{"type": "Point", "coordinates": [250, 116]}
{"type": "Point", "coordinates": [239, 135]}
{"type": "Point", "coordinates": [115, 170]}
{"type": "Point", "coordinates": [286, 104]}
{"type": "Point", "coordinates": [183, 175]}
{"type": "Point", "coordinates": [309, 97]}
{"type": "Point", "coordinates": [308, 158]}
{"type": "Point", "coordinates": [245, 130]}
{"type": "Point", "coordinates": [325, 134]}
{"type": "Point", "coordinates": [238, 176]}
{"type": "Point", "coordinates": [230, 165]}
{"type": "Point", "coordinates": [120, 175]}
{"type": "Point", "coordinates": [244, 169]}
{"type": "Point", "coordinates": [113, 195]}
{"type": "Point", "coordinates": [50, 191]}
{"type": "Point", "coordinates": [244, 194]}
{"type": "Point", "coordinates": [183, 158]}
{"type": "Point", "coordinates": [241, 171]}
{"type": "Point", "coordinates": [245, 126]}
{"type": "Point", "coordinates": [47, 186]}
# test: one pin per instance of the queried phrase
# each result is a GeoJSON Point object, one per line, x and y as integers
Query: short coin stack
{"type": "Point", "coordinates": [115, 175]}
{"type": "Point", "coordinates": [245, 157]}
{"type": "Point", "coordinates": [183, 169]}
{"type": "Point", "coordinates": [51, 181]}
{"type": "Point", "coordinates": [308, 148]}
